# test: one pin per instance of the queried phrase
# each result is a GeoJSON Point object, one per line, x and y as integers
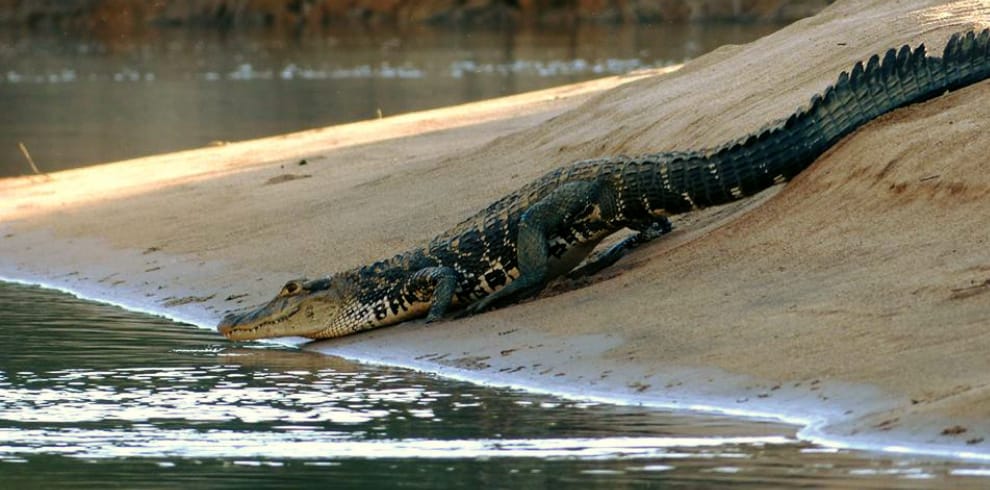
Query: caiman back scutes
{"type": "Point", "coordinates": [482, 252]}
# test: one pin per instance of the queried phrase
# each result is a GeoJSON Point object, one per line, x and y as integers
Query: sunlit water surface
{"type": "Point", "coordinates": [93, 396]}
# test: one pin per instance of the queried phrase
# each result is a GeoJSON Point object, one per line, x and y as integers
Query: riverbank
{"type": "Point", "coordinates": [850, 301]}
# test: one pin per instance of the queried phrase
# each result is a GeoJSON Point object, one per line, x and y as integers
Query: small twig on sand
{"type": "Point", "coordinates": [30, 160]}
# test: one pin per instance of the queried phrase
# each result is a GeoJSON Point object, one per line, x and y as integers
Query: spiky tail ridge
{"type": "Point", "coordinates": [783, 149]}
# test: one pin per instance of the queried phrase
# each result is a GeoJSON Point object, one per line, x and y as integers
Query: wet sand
{"type": "Point", "coordinates": [852, 300]}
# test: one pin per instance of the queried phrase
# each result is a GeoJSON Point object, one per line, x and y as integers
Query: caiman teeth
{"type": "Point", "coordinates": [250, 328]}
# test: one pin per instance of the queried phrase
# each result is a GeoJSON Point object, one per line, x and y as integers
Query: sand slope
{"type": "Point", "coordinates": [857, 295]}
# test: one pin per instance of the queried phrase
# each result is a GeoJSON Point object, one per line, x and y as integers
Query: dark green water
{"type": "Point", "coordinates": [92, 396]}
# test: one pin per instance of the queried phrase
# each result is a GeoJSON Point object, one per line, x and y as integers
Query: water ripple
{"type": "Point", "coordinates": [384, 71]}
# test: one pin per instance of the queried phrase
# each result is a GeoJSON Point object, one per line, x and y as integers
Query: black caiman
{"type": "Point", "coordinates": [511, 249]}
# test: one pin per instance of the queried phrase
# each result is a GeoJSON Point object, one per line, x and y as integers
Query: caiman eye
{"type": "Point", "coordinates": [290, 288]}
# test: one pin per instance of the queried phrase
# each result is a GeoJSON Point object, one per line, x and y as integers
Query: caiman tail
{"type": "Point", "coordinates": [783, 149]}
{"type": "Point", "coordinates": [594, 198]}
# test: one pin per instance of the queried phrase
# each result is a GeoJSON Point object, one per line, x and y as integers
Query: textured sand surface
{"type": "Point", "coordinates": [857, 294]}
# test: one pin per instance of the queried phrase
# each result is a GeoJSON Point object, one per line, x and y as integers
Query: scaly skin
{"type": "Point", "coordinates": [511, 249]}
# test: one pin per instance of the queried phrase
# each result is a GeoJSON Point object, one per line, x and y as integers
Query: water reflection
{"type": "Point", "coordinates": [75, 99]}
{"type": "Point", "coordinates": [92, 396]}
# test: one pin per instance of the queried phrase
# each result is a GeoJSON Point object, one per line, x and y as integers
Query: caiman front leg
{"type": "Point", "coordinates": [653, 230]}
{"type": "Point", "coordinates": [437, 285]}
{"type": "Point", "coordinates": [535, 228]}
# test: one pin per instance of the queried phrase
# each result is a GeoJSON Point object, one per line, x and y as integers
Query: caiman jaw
{"type": "Point", "coordinates": [302, 308]}
{"type": "Point", "coordinates": [254, 325]}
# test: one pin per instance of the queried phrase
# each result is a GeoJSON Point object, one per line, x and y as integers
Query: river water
{"type": "Point", "coordinates": [92, 396]}
{"type": "Point", "coordinates": [80, 98]}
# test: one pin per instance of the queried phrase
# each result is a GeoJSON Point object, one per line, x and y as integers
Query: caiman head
{"type": "Point", "coordinates": [302, 308]}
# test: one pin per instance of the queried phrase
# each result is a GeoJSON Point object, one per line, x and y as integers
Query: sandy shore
{"type": "Point", "coordinates": [852, 301]}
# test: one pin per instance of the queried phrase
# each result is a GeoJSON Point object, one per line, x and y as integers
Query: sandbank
{"type": "Point", "coordinates": [852, 301]}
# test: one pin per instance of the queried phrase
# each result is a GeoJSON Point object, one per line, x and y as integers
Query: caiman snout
{"type": "Point", "coordinates": [260, 322]}
{"type": "Point", "coordinates": [231, 320]}
{"type": "Point", "coordinates": [297, 310]}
